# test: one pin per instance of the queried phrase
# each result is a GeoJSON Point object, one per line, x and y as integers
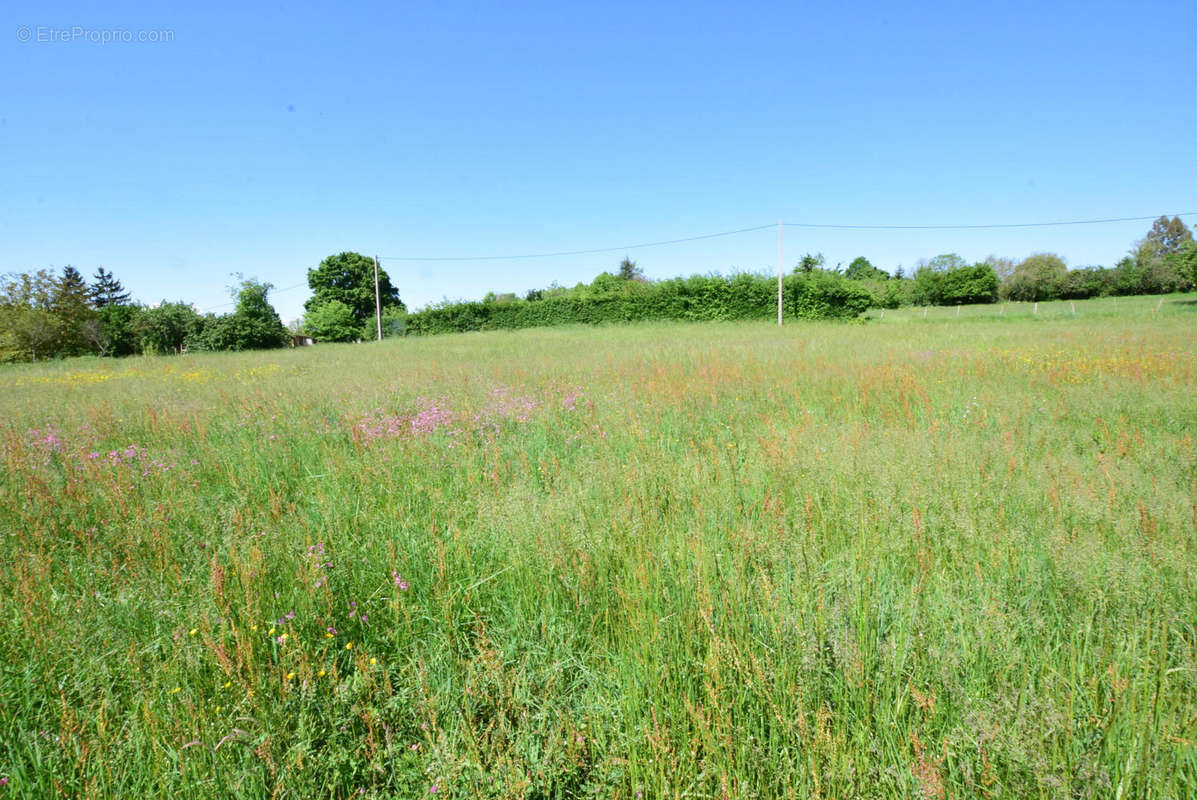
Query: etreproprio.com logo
{"type": "Point", "coordinates": [44, 34]}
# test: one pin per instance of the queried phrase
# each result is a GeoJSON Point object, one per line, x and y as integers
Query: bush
{"type": "Point", "coordinates": [814, 295]}
{"type": "Point", "coordinates": [331, 321]}
{"type": "Point", "coordinates": [947, 280]}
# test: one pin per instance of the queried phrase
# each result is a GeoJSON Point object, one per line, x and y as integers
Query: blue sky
{"type": "Point", "coordinates": [262, 140]}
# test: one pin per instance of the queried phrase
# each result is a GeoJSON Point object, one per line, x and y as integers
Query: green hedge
{"type": "Point", "coordinates": [817, 295]}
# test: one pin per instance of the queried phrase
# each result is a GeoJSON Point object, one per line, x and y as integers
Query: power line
{"type": "Point", "coordinates": [980, 227]}
{"type": "Point", "coordinates": [818, 225]}
{"type": "Point", "coordinates": [578, 252]}
{"type": "Point", "coordinates": [595, 250]}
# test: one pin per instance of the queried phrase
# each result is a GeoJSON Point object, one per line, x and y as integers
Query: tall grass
{"type": "Point", "coordinates": [665, 561]}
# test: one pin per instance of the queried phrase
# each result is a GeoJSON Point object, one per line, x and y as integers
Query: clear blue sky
{"type": "Point", "coordinates": [262, 140]}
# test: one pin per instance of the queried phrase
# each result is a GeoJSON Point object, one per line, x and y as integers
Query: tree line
{"type": "Point", "coordinates": [1163, 261]}
{"type": "Point", "coordinates": [53, 315]}
{"type": "Point", "coordinates": [47, 315]}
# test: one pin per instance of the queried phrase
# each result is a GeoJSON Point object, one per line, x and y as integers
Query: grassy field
{"type": "Point", "coordinates": [909, 558]}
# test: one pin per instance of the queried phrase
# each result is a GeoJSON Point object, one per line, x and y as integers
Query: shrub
{"type": "Point", "coordinates": [814, 295]}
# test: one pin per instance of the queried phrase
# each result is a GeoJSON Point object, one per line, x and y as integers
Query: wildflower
{"type": "Point", "coordinates": [290, 675]}
{"type": "Point", "coordinates": [193, 632]}
{"type": "Point", "coordinates": [320, 674]}
{"type": "Point", "coordinates": [270, 632]}
{"type": "Point", "coordinates": [227, 684]}
{"type": "Point", "coordinates": [218, 709]}
{"type": "Point", "coordinates": [175, 690]}
{"type": "Point", "coordinates": [281, 639]}
{"type": "Point", "coordinates": [402, 584]}
{"type": "Point", "coordinates": [373, 661]}
{"type": "Point", "coordinates": [349, 645]}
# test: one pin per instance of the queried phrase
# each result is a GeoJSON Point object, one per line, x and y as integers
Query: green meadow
{"type": "Point", "coordinates": [918, 557]}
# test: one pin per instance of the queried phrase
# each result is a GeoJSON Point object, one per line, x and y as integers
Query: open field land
{"type": "Point", "coordinates": [890, 560]}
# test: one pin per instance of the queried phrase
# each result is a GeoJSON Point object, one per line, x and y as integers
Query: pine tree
{"type": "Point", "coordinates": [107, 290]}
{"type": "Point", "coordinates": [71, 304]}
{"type": "Point", "coordinates": [629, 271]}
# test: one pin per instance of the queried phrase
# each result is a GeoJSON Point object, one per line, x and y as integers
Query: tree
{"type": "Point", "coordinates": [1167, 236]}
{"type": "Point", "coordinates": [349, 278]}
{"type": "Point", "coordinates": [332, 321]}
{"type": "Point", "coordinates": [1184, 262]}
{"type": "Point", "coordinates": [253, 325]}
{"type": "Point", "coordinates": [809, 263]}
{"type": "Point", "coordinates": [106, 290]}
{"type": "Point", "coordinates": [944, 262]}
{"type": "Point", "coordinates": [606, 283]}
{"type": "Point", "coordinates": [165, 328]}
{"type": "Point", "coordinates": [27, 332]}
{"type": "Point", "coordinates": [975, 284]}
{"type": "Point", "coordinates": [71, 303]}
{"type": "Point", "coordinates": [947, 280]}
{"type": "Point", "coordinates": [28, 327]}
{"type": "Point", "coordinates": [862, 270]}
{"type": "Point", "coordinates": [117, 336]}
{"type": "Point", "coordinates": [1037, 277]}
{"type": "Point", "coordinates": [629, 271]}
{"type": "Point", "coordinates": [1158, 257]}
{"type": "Point", "coordinates": [1002, 267]}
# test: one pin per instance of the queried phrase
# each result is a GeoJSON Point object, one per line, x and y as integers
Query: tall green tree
{"type": "Point", "coordinates": [861, 269]}
{"type": "Point", "coordinates": [106, 290]}
{"type": "Point", "coordinates": [1037, 277]}
{"type": "Point", "coordinates": [116, 335]}
{"type": "Point", "coordinates": [349, 278]}
{"type": "Point", "coordinates": [809, 263]}
{"type": "Point", "coordinates": [1184, 262]}
{"type": "Point", "coordinates": [72, 305]}
{"type": "Point", "coordinates": [253, 325]}
{"type": "Point", "coordinates": [1167, 236]}
{"type": "Point", "coordinates": [629, 271]}
{"type": "Point", "coordinates": [948, 279]}
{"type": "Point", "coordinates": [29, 329]}
{"type": "Point", "coordinates": [166, 327]}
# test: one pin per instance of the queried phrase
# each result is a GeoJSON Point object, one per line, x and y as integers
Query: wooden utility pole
{"type": "Point", "coordinates": [779, 272]}
{"type": "Point", "coordinates": [377, 301]}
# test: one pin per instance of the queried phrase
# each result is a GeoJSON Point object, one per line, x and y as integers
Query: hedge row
{"type": "Point", "coordinates": [816, 295]}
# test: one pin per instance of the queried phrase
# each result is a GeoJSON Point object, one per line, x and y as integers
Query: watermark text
{"type": "Point", "coordinates": [49, 34]}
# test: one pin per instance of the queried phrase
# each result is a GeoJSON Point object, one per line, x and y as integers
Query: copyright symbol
{"type": "Point", "coordinates": [24, 34]}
